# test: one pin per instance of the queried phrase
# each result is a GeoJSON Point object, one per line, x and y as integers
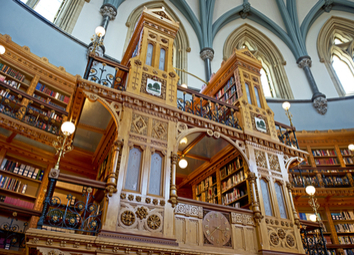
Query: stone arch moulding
{"type": "Point", "coordinates": [266, 50]}
{"type": "Point", "coordinates": [240, 147]}
{"type": "Point", "coordinates": [181, 42]}
{"type": "Point", "coordinates": [334, 25]}
{"type": "Point", "coordinates": [110, 108]}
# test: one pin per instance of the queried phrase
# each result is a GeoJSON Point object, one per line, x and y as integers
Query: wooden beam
{"type": "Point", "coordinates": [193, 143]}
{"type": "Point", "coordinates": [11, 137]}
{"type": "Point", "coordinates": [91, 128]}
{"type": "Point", "coordinates": [196, 157]}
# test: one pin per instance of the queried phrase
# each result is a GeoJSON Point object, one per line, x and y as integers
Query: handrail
{"type": "Point", "coordinates": [109, 62]}
{"type": "Point", "coordinates": [284, 126]}
{"type": "Point", "coordinates": [81, 181]}
{"type": "Point", "coordinates": [217, 207]}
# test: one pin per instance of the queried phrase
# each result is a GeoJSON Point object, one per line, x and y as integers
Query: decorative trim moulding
{"type": "Point", "coordinates": [174, 114]}
{"type": "Point", "coordinates": [325, 192]}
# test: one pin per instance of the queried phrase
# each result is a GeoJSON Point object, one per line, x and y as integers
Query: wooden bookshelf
{"type": "Point", "coordinates": [325, 156]}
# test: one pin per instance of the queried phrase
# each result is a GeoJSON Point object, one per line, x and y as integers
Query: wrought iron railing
{"type": "Point", "coordinates": [105, 72]}
{"type": "Point", "coordinates": [322, 177]}
{"type": "Point", "coordinates": [12, 235]}
{"type": "Point", "coordinates": [312, 238]}
{"type": "Point", "coordinates": [75, 215]}
{"type": "Point", "coordinates": [286, 134]}
{"type": "Point", "coordinates": [207, 107]}
{"type": "Point", "coordinates": [33, 112]}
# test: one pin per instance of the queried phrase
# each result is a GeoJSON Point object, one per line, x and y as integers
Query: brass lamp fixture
{"type": "Point", "coordinates": [97, 38]}
{"type": "Point", "coordinates": [286, 107]}
{"type": "Point", "coordinates": [62, 145]}
{"type": "Point", "coordinates": [311, 190]}
{"type": "Point", "coordinates": [351, 148]}
{"type": "Point", "coordinates": [183, 163]}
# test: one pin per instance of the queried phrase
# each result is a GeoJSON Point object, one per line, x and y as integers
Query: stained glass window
{"type": "Point", "coordinates": [133, 172]}
{"type": "Point", "coordinates": [150, 50]}
{"type": "Point", "coordinates": [162, 59]}
{"type": "Point", "coordinates": [280, 198]}
{"type": "Point", "coordinates": [155, 174]}
{"type": "Point", "coordinates": [266, 198]}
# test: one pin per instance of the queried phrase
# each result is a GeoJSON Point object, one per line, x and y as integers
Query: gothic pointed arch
{"type": "Point", "coordinates": [181, 43]}
{"type": "Point", "coordinates": [336, 40]}
{"type": "Point", "coordinates": [266, 51]}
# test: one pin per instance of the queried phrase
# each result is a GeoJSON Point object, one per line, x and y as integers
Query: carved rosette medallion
{"type": "Point", "coordinates": [274, 238]}
{"type": "Point", "coordinates": [128, 218]}
{"type": "Point", "coordinates": [154, 222]}
{"type": "Point", "coordinates": [281, 233]}
{"type": "Point", "coordinates": [141, 212]}
{"type": "Point", "coordinates": [139, 124]}
{"type": "Point", "coordinates": [290, 241]}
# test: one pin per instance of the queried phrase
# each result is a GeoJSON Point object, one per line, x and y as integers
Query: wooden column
{"type": "Point", "coordinates": [173, 189]}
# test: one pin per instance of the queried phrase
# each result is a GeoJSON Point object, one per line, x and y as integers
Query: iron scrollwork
{"type": "Point", "coordinates": [12, 235]}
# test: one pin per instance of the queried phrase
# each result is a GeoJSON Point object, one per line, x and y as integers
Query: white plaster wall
{"type": "Point", "coordinates": [296, 76]}
{"type": "Point", "coordinates": [303, 8]}
{"type": "Point", "coordinates": [319, 70]}
{"type": "Point", "coordinates": [270, 9]}
{"type": "Point", "coordinates": [222, 6]}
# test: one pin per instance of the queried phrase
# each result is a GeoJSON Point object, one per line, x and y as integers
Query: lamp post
{"type": "Point", "coordinates": [286, 107]}
{"type": "Point", "coordinates": [311, 190]}
{"type": "Point", "coordinates": [97, 38]}
{"type": "Point", "coordinates": [62, 145]}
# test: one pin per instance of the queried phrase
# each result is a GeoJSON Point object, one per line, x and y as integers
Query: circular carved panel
{"type": "Point", "coordinates": [216, 228]}
{"type": "Point", "coordinates": [290, 240]}
{"type": "Point", "coordinates": [128, 218]}
{"type": "Point", "coordinates": [274, 238]}
{"type": "Point", "coordinates": [154, 222]}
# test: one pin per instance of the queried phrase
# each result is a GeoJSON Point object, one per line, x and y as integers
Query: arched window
{"type": "Point", "coordinates": [280, 199]}
{"type": "Point", "coordinates": [335, 45]}
{"type": "Point", "coordinates": [155, 174]}
{"type": "Point", "coordinates": [181, 42]}
{"type": "Point", "coordinates": [248, 91]}
{"type": "Point", "coordinates": [149, 53]}
{"type": "Point", "coordinates": [132, 179]}
{"type": "Point", "coordinates": [257, 91]}
{"type": "Point", "coordinates": [266, 198]}
{"type": "Point", "coordinates": [275, 82]}
{"type": "Point", "coordinates": [162, 59]}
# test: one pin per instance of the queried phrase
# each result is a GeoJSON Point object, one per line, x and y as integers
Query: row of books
{"type": "Point", "coordinates": [12, 83]}
{"type": "Point", "coordinates": [348, 251]}
{"type": "Point", "coordinates": [348, 161]}
{"type": "Point", "coordinates": [328, 161]}
{"type": "Point", "coordinates": [233, 180]}
{"type": "Point", "coordinates": [208, 182]}
{"type": "Point", "coordinates": [317, 153]}
{"type": "Point", "coordinates": [6, 94]}
{"type": "Point", "coordinates": [56, 95]}
{"type": "Point", "coordinates": [335, 181]}
{"type": "Point", "coordinates": [232, 196]}
{"type": "Point", "coordinates": [230, 100]}
{"type": "Point", "coordinates": [345, 227]}
{"type": "Point", "coordinates": [13, 73]}
{"type": "Point", "coordinates": [213, 200]}
{"type": "Point", "coordinates": [41, 125]}
{"type": "Point", "coordinates": [300, 181]}
{"type": "Point", "coordinates": [346, 152]}
{"type": "Point", "coordinates": [12, 184]}
{"type": "Point", "coordinates": [229, 83]}
{"type": "Point", "coordinates": [17, 202]}
{"type": "Point", "coordinates": [346, 239]}
{"type": "Point", "coordinates": [48, 113]}
{"type": "Point", "coordinates": [231, 167]}
{"type": "Point", "coordinates": [47, 100]}
{"type": "Point", "coordinates": [22, 169]}
{"type": "Point", "coordinates": [208, 194]}
{"type": "Point", "coordinates": [228, 94]}
{"type": "Point", "coordinates": [344, 215]}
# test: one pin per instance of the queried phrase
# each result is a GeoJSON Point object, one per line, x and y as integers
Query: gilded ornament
{"type": "Point", "coordinates": [138, 198]}
{"type": "Point", "coordinates": [128, 218]}
{"type": "Point", "coordinates": [172, 74]}
{"type": "Point", "coordinates": [130, 197]}
{"type": "Point", "coordinates": [274, 162]}
{"type": "Point", "coordinates": [154, 222]}
{"type": "Point", "coordinates": [162, 202]}
{"type": "Point", "coordinates": [137, 62]}
{"type": "Point", "coordinates": [148, 200]}
{"type": "Point", "coordinates": [260, 158]}
{"type": "Point", "coordinates": [141, 212]}
{"type": "Point", "coordinates": [123, 196]}
{"type": "Point", "coordinates": [155, 201]}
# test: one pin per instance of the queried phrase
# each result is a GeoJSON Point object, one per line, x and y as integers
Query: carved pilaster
{"type": "Point", "coordinates": [173, 189]}
{"type": "Point", "coordinates": [251, 177]}
{"type": "Point", "coordinates": [296, 217]}
{"type": "Point", "coordinates": [116, 154]}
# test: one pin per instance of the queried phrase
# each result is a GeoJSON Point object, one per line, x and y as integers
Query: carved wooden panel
{"type": "Point", "coordinates": [274, 162]}
{"type": "Point", "coordinates": [239, 238]}
{"type": "Point", "coordinates": [261, 160]}
{"type": "Point", "coordinates": [139, 124]}
{"type": "Point", "coordinates": [181, 229]}
{"type": "Point", "coordinates": [193, 231]}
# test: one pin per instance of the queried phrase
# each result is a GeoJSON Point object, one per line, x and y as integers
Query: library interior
{"type": "Point", "coordinates": [177, 127]}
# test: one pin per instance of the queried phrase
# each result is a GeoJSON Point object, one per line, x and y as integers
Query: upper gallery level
{"type": "Point", "coordinates": [285, 80]}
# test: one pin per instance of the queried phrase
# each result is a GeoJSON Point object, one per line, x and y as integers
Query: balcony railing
{"type": "Point", "coordinates": [35, 113]}
{"type": "Point", "coordinates": [106, 72]}
{"type": "Point", "coordinates": [74, 211]}
{"type": "Point", "coordinates": [312, 238]}
{"type": "Point", "coordinates": [286, 134]}
{"type": "Point", "coordinates": [322, 177]}
{"type": "Point", "coordinates": [12, 233]}
{"type": "Point", "coordinates": [207, 107]}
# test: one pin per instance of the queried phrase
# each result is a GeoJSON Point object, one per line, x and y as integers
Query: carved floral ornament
{"type": "Point", "coordinates": [179, 116]}
{"type": "Point", "coordinates": [279, 237]}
